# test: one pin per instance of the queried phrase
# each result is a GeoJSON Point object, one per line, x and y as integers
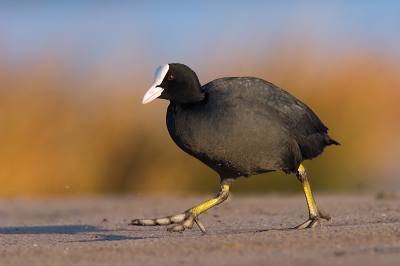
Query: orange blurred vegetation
{"type": "Point", "coordinates": [63, 136]}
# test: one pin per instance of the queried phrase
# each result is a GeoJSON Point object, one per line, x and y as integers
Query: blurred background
{"type": "Point", "coordinates": [73, 73]}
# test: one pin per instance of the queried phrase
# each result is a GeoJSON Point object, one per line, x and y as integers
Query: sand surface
{"type": "Point", "coordinates": [364, 230]}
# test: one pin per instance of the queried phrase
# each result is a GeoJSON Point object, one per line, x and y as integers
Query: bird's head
{"type": "Point", "coordinates": [175, 82]}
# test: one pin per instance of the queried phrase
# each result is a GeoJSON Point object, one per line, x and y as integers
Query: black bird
{"type": "Point", "coordinates": [238, 126]}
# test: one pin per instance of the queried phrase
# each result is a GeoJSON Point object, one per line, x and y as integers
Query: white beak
{"type": "Point", "coordinates": [155, 91]}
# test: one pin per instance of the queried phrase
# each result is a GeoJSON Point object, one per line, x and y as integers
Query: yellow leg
{"type": "Point", "coordinates": [186, 219]}
{"type": "Point", "coordinates": [314, 213]}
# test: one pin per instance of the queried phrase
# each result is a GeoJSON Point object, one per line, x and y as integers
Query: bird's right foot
{"type": "Point", "coordinates": [315, 214]}
{"type": "Point", "coordinates": [313, 222]}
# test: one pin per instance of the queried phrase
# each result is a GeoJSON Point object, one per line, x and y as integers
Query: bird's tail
{"type": "Point", "coordinates": [329, 141]}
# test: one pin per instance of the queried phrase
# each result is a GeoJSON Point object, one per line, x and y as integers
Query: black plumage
{"type": "Point", "coordinates": [241, 126]}
{"type": "Point", "coordinates": [238, 126]}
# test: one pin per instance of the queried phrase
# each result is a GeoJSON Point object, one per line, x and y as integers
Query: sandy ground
{"type": "Point", "coordinates": [364, 230]}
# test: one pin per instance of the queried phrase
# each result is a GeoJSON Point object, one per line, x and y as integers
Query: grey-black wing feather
{"type": "Point", "coordinates": [294, 117]}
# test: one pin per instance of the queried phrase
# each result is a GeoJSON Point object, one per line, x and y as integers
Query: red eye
{"type": "Point", "coordinates": [170, 77]}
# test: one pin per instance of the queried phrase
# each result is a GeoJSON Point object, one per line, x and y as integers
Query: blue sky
{"type": "Point", "coordinates": [167, 31]}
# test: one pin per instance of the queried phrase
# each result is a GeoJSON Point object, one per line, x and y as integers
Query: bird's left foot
{"type": "Point", "coordinates": [314, 220]}
{"type": "Point", "coordinates": [186, 219]}
{"type": "Point", "coordinates": [182, 221]}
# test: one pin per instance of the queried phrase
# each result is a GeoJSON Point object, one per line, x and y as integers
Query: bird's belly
{"type": "Point", "coordinates": [222, 144]}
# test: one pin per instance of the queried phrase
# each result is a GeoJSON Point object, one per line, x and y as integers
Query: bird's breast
{"type": "Point", "coordinates": [225, 137]}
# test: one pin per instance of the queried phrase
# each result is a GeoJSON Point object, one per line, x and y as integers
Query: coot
{"type": "Point", "coordinates": [238, 126]}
